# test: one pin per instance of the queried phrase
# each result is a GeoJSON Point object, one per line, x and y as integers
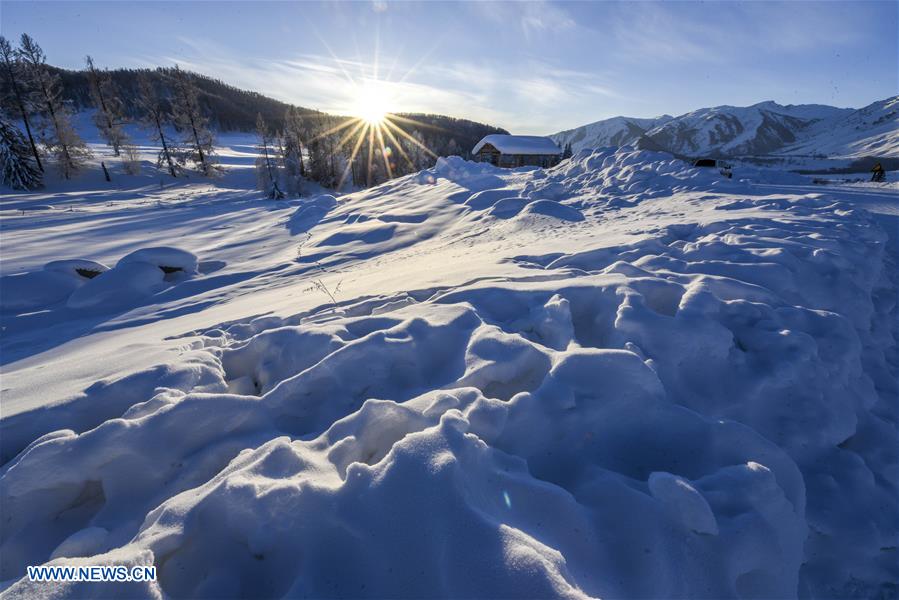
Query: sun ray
{"type": "Point", "coordinates": [384, 151]}
{"type": "Point", "coordinates": [349, 165]}
{"type": "Point", "coordinates": [346, 123]}
{"type": "Point", "coordinates": [393, 65]}
{"type": "Point", "coordinates": [372, 122]}
{"type": "Point", "coordinates": [337, 61]}
{"type": "Point", "coordinates": [410, 138]}
{"type": "Point", "coordinates": [411, 121]}
{"type": "Point", "coordinates": [371, 138]}
{"type": "Point", "coordinates": [377, 50]}
{"type": "Point", "coordinates": [423, 58]}
{"type": "Point", "coordinates": [349, 134]}
{"type": "Point", "coordinates": [398, 146]}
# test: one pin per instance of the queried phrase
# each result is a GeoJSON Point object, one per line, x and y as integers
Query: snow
{"type": "Point", "coordinates": [620, 377]}
{"type": "Point", "coordinates": [518, 144]}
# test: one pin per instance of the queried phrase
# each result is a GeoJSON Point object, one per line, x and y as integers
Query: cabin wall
{"type": "Point", "coordinates": [489, 154]}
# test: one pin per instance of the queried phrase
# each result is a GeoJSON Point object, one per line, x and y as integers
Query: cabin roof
{"type": "Point", "coordinates": [519, 144]}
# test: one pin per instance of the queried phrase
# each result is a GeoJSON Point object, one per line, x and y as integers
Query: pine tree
{"type": "Point", "coordinates": [266, 166]}
{"type": "Point", "coordinates": [109, 117]}
{"type": "Point", "coordinates": [13, 82]}
{"type": "Point", "coordinates": [57, 132]}
{"type": "Point", "coordinates": [155, 118]}
{"type": "Point", "coordinates": [18, 168]}
{"type": "Point", "coordinates": [566, 153]}
{"type": "Point", "coordinates": [198, 140]}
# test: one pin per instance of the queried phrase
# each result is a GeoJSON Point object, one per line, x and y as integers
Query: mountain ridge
{"type": "Point", "coordinates": [761, 129]}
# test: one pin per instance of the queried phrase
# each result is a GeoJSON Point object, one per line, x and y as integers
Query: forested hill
{"type": "Point", "coordinates": [230, 108]}
{"type": "Point", "coordinates": [234, 109]}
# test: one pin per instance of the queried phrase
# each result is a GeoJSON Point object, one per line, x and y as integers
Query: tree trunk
{"type": "Point", "coordinates": [197, 143]}
{"type": "Point", "coordinates": [276, 191]}
{"type": "Point", "coordinates": [165, 147]}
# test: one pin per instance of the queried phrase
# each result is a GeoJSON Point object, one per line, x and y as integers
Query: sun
{"type": "Point", "coordinates": [372, 103]}
{"type": "Point", "coordinates": [372, 114]}
{"type": "Point", "coordinates": [374, 127]}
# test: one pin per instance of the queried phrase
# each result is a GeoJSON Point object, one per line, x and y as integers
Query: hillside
{"type": "Point", "coordinates": [762, 129]}
{"type": "Point", "coordinates": [869, 131]}
{"type": "Point", "coordinates": [738, 131]}
{"type": "Point", "coordinates": [617, 131]}
{"type": "Point", "coordinates": [230, 108]}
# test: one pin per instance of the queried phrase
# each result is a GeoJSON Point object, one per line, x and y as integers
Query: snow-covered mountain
{"type": "Point", "coordinates": [617, 131]}
{"type": "Point", "coordinates": [760, 129]}
{"type": "Point", "coordinates": [869, 131]}
{"type": "Point", "coordinates": [733, 130]}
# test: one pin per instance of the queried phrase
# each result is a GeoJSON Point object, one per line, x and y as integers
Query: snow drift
{"type": "Point", "coordinates": [693, 394]}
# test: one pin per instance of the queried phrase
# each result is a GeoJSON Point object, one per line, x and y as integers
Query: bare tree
{"type": "Point", "coordinates": [109, 118]}
{"type": "Point", "coordinates": [57, 131]}
{"type": "Point", "coordinates": [322, 146]}
{"type": "Point", "coordinates": [266, 165]}
{"type": "Point", "coordinates": [198, 139]}
{"type": "Point", "coordinates": [292, 152]}
{"type": "Point", "coordinates": [17, 166]}
{"type": "Point", "coordinates": [12, 77]}
{"type": "Point", "coordinates": [155, 118]}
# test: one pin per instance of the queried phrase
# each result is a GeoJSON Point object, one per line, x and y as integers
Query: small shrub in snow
{"type": "Point", "coordinates": [130, 159]}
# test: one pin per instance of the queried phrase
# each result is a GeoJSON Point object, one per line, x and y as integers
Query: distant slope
{"type": "Point", "coordinates": [734, 131]}
{"type": "Point", "coordinates": [617, 131]}
{"type": "Point", "coordinates": [869, 131]}
{"type": "Point", "coordinates": [760, 129]}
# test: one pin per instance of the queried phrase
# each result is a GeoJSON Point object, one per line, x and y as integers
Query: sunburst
{"type": "Point", "coordinates": [373, 126]}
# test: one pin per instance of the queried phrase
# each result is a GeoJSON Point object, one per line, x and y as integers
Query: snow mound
{"type": "Point", "coordinates": [553, 209]}
{"type": "Point", "coordinates": [36, 289]}
{"type": "Point", "coordinates": [137, 275]}
{"type": "Point", "coordinates": [53, 284]}
{"type": "Point", "coordinates": [87, 269]}
{"type": "Point", "coordinates": [169, 260]}
{"type": "Point", "coordinates": [609, 175]}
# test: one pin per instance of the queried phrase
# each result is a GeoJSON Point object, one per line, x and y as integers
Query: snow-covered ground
{"type": "Point", "coordinates": [621, 377]}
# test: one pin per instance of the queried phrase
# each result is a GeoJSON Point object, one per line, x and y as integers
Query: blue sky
{"type": "Point", "coordinates": [531, 67]}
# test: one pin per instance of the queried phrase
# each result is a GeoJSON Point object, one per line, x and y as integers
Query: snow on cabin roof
{"type": "Point", "coordinates": [519, 144]}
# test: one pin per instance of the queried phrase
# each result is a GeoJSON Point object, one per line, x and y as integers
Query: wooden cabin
{"type": "Point", "coordinates": [517, 151]}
